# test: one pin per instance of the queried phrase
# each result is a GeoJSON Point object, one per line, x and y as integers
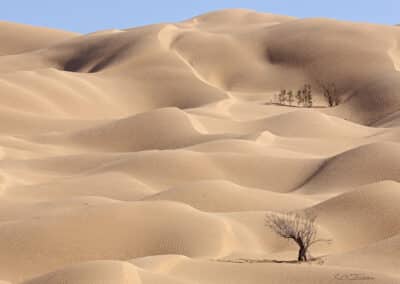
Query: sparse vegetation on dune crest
{"type": "Point", "coordinates": [330, 92]}
{"type": "Point", "coordinates": [304, 96]}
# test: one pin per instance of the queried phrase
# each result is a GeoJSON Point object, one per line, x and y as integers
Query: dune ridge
{"type": "Point", "coordinates": [152, 154]}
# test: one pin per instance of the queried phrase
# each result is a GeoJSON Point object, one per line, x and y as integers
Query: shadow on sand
{"type": "Point", "coordinates": [316, 260]}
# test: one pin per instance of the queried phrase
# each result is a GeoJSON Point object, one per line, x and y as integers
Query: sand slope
{"type": "Point", "coordinates": [152, 154]}
{"type": "Point", "coordinates": [17, 38]}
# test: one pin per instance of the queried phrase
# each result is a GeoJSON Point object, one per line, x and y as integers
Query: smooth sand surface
{"type": "Point", "coordinates": [152, 154]}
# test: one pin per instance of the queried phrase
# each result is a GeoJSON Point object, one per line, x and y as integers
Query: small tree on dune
{"type": "Point", "coordinates": [308, 95]}
{"type": "Point", "coordinates": [282, 97]}
{"type": "Point", "coordinates": [293, 226]}
{"type": "Point", "coordinates": [330, 92]}
{"type": "Point", "coordinates": [290, 97]}
{"type": "Point", "coordinates": [304, 96]}
{"type": "Point", "coordinates": [300, 98]}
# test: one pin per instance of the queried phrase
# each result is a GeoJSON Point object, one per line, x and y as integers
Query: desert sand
{"type": "Point", "coordinates": [152, 154]}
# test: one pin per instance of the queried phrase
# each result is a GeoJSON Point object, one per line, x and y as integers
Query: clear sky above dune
{"type": "Point", "coordinates": [92, 15]}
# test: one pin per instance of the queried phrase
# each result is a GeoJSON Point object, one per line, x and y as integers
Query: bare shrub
{"type": "Point", "coordinates": [330, 92]}
{"type": "Point", "coordinates": [305, 96]}
{"type": "Point", "coordinates": [282, 97]}
{"type": "Point", "coordinates": [300, 98]}
{"type": "Point", "coordinates": [299, 228]}
{"type": "Point", "coordinates": [290, 98]}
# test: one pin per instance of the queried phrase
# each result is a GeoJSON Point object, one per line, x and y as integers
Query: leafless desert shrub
{"type": "Point", "coordinates": [282, 97]}
{"type": "Point", "coordinates": [294, 226]}
{"type": "Point", "coordinates": [290, 97]}
{"type": "Point", "coordinates": [330, 92]}
{"type": "Point", "coordinates": [304, 96]}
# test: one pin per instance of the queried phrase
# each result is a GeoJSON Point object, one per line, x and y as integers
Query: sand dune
{"type": "Point", "coordinates": [152, 154]}
{"type": "Point", "coordinates": [223, 196]}
{"type": "Point", "coordinates": [185, 270]}
{"type": "Point", "coordinates": [151, 131]}
{"type": "Point", "coordinates": [17, 38]}
{"type": "Point", "coordinates": [68, 236]}
{"type": "Point", "coordinates": [344, 215]}
{"type": "Point", "coordinates": [394, 53]}
{"type": "Point", "coordinates": [353, 168]}
{"type": "Point", "coordinates": [96, 272]}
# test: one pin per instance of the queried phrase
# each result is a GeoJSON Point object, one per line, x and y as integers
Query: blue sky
{"type": "Point", "coordinates": [92, 15]}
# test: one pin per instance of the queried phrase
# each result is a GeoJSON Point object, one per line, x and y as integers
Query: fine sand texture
{"type": "Point", "coordinates": [153, 154]}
